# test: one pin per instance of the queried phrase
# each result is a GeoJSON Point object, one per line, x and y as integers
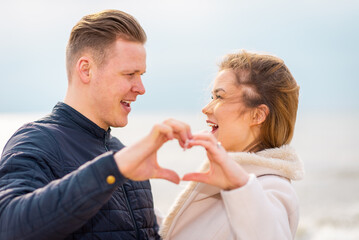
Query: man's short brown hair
{"type": "Point", "coordinates": [96, 32]}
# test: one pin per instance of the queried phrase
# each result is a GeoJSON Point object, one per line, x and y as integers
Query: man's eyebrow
{"type": "Point", "coordinates": [133, 71]}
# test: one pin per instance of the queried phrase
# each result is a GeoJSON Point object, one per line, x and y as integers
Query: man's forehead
{"type": "Point", "coordinates": [128, 56]}
{"type": "Point", "coordinates": [128, 47]}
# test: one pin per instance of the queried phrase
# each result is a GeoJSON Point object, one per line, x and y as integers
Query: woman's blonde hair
{"type": "Point", "coordinates": [268, 81]}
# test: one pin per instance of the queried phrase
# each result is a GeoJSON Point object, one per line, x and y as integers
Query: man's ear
{"type": "Point", "coordinates": [260, 114]}
{"type": "Point", "coordinates": [83, 67]}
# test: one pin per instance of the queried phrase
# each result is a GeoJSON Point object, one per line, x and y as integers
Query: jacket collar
{"type": "Point", "coordinates": [63, 110]}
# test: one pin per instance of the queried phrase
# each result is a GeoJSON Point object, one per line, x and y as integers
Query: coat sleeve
{"type": "Point", "coordinates": [35, 206]}
{"type": "Point", "coordinates": [265, 208]}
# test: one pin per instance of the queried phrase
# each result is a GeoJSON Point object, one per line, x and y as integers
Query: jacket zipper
{"type": "Point", "coordinates": [126, 197]}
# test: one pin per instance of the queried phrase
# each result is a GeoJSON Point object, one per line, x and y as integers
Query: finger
{"type": "Point", "coordinates": [189, 132]}
{"type": "Point", "coordinates": [205, 136]}
{"type": "Point", "coordinates": [180, 141]}
{"type": "Point", "coordinates": [207, 144]}
{"type": "Point", "coordinates": [184, 128]}
{"type": "Point", "coordinates": [197, 177]}
{"type": "Point", "coordinates": [186, 146]}
{"type": "Point", "coordinates": [180, 128]}
{"type": "Point", "coordinates": [202, 132]}
{"type": "Point", "coordinates": [168, 174]}
{"type": "Point", "coordinates": [163, 129]}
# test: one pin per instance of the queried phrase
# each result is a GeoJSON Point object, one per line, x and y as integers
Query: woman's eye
{"type": "Point", "coordinates": [216, 97]}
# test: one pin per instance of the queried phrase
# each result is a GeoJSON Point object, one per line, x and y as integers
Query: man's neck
{"type": "Point", "coordinates": [82, 106]}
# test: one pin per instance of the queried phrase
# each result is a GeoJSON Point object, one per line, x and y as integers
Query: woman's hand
{"type": "Point", "coordinates": [223, 172]}
{"type": "Point", "coordinates": [139, 161]}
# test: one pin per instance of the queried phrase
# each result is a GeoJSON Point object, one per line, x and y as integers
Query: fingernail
{"type": "Point", "coordinates": [185, 145]}
{"type": "Point", "coordinates": [190, 135]}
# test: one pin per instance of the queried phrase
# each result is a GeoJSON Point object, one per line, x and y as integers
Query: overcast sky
{"type": "Point", "coordinates": [318, 40]}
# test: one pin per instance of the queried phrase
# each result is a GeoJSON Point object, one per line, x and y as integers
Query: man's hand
{"type": "Point", "coordinates": [138, 162]}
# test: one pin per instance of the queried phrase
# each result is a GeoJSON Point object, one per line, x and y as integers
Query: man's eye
{"type": "Point", "coordinates": [130, 74]}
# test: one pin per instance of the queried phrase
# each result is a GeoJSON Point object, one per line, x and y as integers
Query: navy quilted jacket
{"type": "Point", "coordinates": [53, 184]}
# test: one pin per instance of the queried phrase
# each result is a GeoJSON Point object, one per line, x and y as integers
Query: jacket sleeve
{"type": "Point", "coordinates": [262, 209]}
{"type": "Point", "coordinates": [34, 206]}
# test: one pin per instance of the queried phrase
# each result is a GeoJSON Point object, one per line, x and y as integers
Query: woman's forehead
{"type": "Point", "coordinates": [226, 80]}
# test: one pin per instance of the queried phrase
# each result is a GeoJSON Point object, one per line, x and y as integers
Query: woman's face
{"type": "Point", "coordinates": [226, 114]}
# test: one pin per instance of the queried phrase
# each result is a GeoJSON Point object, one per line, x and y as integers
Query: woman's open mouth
{"type": "Point", "coordinates": [212, 125]}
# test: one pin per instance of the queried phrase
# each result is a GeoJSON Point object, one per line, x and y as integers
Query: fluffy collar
{"type": "Point", "coordinates": [281, 161]}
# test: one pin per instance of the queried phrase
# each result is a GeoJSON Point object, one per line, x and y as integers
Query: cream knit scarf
{"type": "Point", "coordinates": [281, 161]}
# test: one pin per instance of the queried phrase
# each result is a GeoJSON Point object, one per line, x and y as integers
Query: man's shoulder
{"type": "Point", "coordinates": [34, 135]}
{"type": "Point", "coordinates": [36, 128]}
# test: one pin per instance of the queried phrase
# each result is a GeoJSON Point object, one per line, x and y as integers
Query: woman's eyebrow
{"type": "Point", "coordinates": [218, 90]}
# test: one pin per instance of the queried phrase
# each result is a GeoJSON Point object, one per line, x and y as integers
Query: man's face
{"type": "Point", "coordinates": [117, 83]}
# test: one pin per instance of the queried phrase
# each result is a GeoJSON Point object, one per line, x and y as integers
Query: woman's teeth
{"type": "Point", "coordinates": [126, 103]}
{"type": "Point", "coordinates": [213, 126]}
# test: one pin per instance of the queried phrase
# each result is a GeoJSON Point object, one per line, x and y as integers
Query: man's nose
{"type": "Point", "coordinates": [139, 87]}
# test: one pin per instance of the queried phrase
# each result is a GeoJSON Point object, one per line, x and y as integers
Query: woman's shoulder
{"type": "Point", "coordinates": [274, 181]}
{"type": "Point", "coordinates": [280, 188]}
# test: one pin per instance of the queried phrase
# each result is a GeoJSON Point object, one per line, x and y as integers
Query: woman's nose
{"type": "Point", "coordinates": [207, 109]}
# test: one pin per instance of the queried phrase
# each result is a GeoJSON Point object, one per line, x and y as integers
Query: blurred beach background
{"type": "Point", "coordinates": [318, 40]}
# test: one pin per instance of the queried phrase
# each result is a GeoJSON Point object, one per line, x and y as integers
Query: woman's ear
{"type": "Point", "coordinates": [83, 69]}
{"type": "Point", "coordinates": [260, 114]}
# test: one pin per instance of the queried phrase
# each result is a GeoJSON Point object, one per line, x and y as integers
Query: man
{"type": "Point", "coordinates": [63, 176]}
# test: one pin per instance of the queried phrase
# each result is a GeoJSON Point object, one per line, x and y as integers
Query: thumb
{"type": "Point", "coordinates": [197, 177]}
{"type": "Point", "coordinates": [168, 174]}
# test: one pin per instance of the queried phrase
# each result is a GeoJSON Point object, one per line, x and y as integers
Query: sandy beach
{"type": "Point", "coordinates": [326, 143]}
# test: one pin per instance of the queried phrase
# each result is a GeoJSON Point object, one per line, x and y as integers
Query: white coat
{"type": "Point", "coordinates": [265, 208]}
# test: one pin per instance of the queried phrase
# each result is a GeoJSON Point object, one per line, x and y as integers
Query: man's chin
{"type": "Point", "coordinates": [121, 123]}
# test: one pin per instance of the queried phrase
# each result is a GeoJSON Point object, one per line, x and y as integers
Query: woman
{"type": "Point", "coordinates": [244, 191]}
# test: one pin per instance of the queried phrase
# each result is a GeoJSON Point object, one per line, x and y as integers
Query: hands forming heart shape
{"type": "Point", "coordinates": [138, 162]}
